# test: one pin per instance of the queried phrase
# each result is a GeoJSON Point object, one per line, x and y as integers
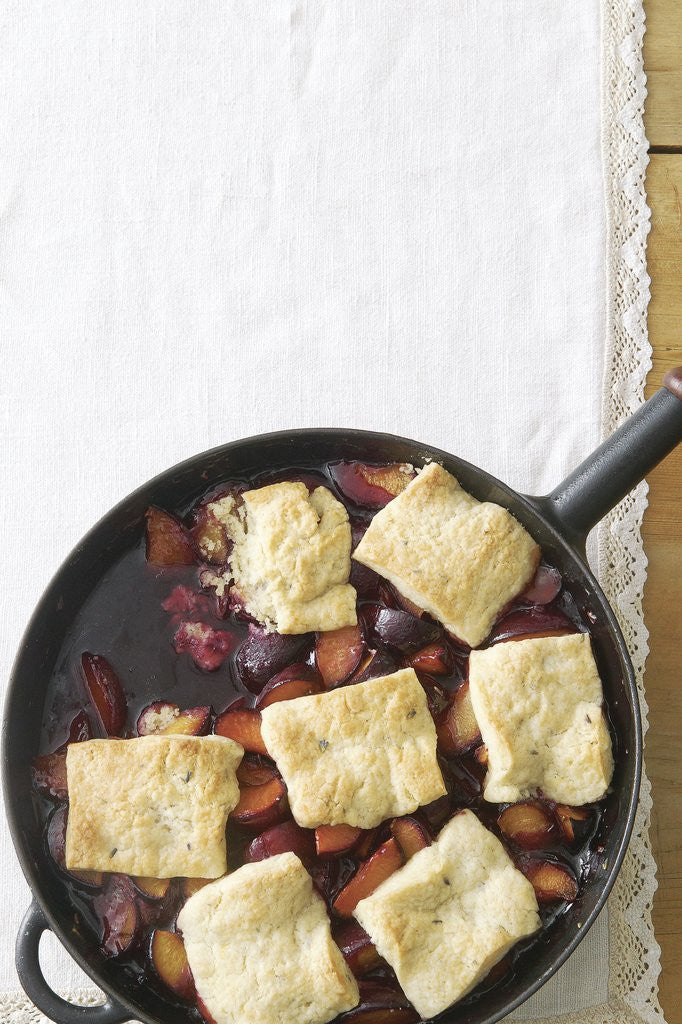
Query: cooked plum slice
{"type": "Point", "coordinates": [80, 729]}
{"type": "Point", "coordinates": [457, 727]}
{"type": "Point", "coordinates": [333, 840]}
{"type": "Point", "coordinates": [566, 816]}
{"type": "Point", "coordinates": [263, 655]}
{"type": "Point", "coordinates": [544, 586]}
{"type": "Point", "coordinates": [170, 963]}
{"type": "Point", "coordinates": [358, 949]}
{"type": "Point", "coordinates": [168, 540]}
{"type": "Point", "coordinates": [383, 862]}
{"type": "Point", "coordinates": [374, 664]}
{"type": "Point", "coordinates": [381, 1004]}
{"type": "Point", "coordinates": [49, 775]}
{"type": "Point", "coordinates": [367, 583]}
{"type": "Point", "coordinates": [435, 658]}
{"type": "Point", "coordinates": [481, 755]}
{"type": "Point", "coordinates": [368, 841]}
{"type": "Point", "coordinates": [528, 824]}
{"type": "Point", "coordinates": [209, 534]}
{"type": "Point", "coordinates": [367, 616]}
{"type": "Point", "coordinates": [437, 812]}
{"type": "Point", "coordinates": [260, 807]}
{"type": "Point", "coordinates": [207, 647]}
{"type": "Point", "coordinates": [338, 653]}
{"type": "Point", "coordinates": [118, 914]}
{"type": "Point", "coordinates": [243, 726]}
{"type": "Point", "coordinates": [183, 600]}
{"type": "Point", "coordinates": [411, 835]}
{"type": "Point", "coordinates": [191, 885]}
{"type": "Point", "coordinates": [56, 844]}
{"type": "Point", "coordinates": [407, 605]}
{"type": "Point", "coordinates": [371, 486]}
{"type": "Point", "coordinates": [164, 719]}
{"type": "Point", "coordinates": [254, 771]}
{"type": "Point", "coordinates": [288, 837]}
{"type": "Point", "coordinates": [403, 631]}
{"type": "Point", "coordinates": [296, 681]}
{"type": "Point", "coordinates": [151, 888]}
{"type": "Point", "coordinates": [436, 697]}
{"type": "Point", "coordinates": [105, 692]}
{"type": "Point", "coordinates": [201, 1007]}
{"type": "Point", "coordinates": [525, 623]}
{"type": "Point", "coordinates": [552, 882]}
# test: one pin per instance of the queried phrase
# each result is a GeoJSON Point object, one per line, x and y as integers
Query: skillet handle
{"type": "Point", "coordinates": [618, 464]}
{"type": "Point", "coordinates": [40, 993]}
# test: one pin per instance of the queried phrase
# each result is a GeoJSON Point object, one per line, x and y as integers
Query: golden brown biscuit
{"type": "Point", "coordinates": [154, 806]}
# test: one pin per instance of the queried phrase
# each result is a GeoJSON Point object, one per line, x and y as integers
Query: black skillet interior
{"type": "Point", "coordinates": [176, 490]}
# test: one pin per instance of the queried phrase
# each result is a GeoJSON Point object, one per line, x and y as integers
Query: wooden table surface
{"type": "Point", "coordinates": [663, 519]}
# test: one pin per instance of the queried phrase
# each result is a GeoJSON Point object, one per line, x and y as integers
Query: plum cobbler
{"type": "Point", "coordinates": [330, 742]}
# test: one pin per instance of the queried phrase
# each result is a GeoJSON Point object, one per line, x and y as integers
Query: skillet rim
{"type": "Point", "coordinates": [533, 507]}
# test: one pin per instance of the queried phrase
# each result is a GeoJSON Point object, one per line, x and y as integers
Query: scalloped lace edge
{"type": "Point", "coordinates": [634, 953]}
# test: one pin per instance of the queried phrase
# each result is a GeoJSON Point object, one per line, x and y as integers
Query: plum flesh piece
{"type": "Point", "coordinates": [56, 844]}
{"type": "Point", "coordinates": [527, 824]}
{"type": "Point", "coordinates": [544, 586]}
{"type": "Point", "coordinates": [118, 914]}
{"type": "Point", "coordinates": [49, 775]}
{"type": "Point", "coordinates": [358, 949]}
{"type": "Point", "coordinates": [170, 962]}
{"type": "Point", "coordinates": [260, 807]}
{"type": "Point", "coordinates": [182, 600]}
{"type": "Point", "coordinates": [151, 888]}
{"type": "Point", "coordinates": [242, 726]}
{"type": "Point", "coordinates": [371, 486]}
{"type": "Point", "coordinates": [435, 659]}
{"type": "Point", "coordinates": [263, 655]}
{"type": "Point", "coordinates": [338, 653]}
{"type": "Point", "coordinates": [457, 727]}
{"type": "Point", "coordinates": [566, 816]}
{"type": "Point", "coordinates": [411, 835]}
{"type": "Point", "coordinates": [333, 840]}
{"type": "Point", "coordinates": [164, 719]}
{"type": "Point", "coordinates": [377, 662]}
{"type": "Point", "coordinates": [168, 540]}
{"type": "Point", "coordinates": [105, 692]}
{"type": "Point", "coordinates": [552, 882]}
{"type": "Point", "coordinates": [207, 647]}
{"type": "Point", "coordinates": [298, 680]}
{"type": "Point", "coordinates": [405, 632]}
{"type": "Point", "coordinates": [526, 623]}
{"type": "Point", "coordinates": [380, 866]}
{"type": "Point", "coordinates": [381, 1004]}
{"type": "Point", "coordinates": [288, 837]}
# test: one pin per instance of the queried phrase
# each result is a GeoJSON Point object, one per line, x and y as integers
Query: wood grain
{"type": "Point", "coordinates": [663, 544]}
{"type": "Point", "coordinates": [663, 65]}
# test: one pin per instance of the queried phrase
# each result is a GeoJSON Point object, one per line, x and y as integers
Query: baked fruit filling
{"type": "Point", "coordinates": [332, 744]}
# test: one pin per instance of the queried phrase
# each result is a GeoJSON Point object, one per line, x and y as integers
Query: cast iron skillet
{"type": "Point", "coordinates": [559, 522]}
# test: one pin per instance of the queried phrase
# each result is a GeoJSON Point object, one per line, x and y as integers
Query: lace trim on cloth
{"type": "Point", "coordinates": [634, 954]}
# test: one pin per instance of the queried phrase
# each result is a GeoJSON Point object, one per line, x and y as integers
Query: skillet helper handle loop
{"type": "Point", "coordinates": [624, 458]}
{"type": "Point", "coordinates": [38, 990]}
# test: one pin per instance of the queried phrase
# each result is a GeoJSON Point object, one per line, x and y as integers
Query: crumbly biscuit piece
{"type": "Point", "coordinates": [291, 557]}
{"type": "Point", "coordinates": [260, 948]}
{"type": "Point", "coordinates": [358, 754]}
{"type": "Point", "coordinates": [154, 805]}
{"type": "Point", "coordinates": [538, 703]}
{"type": "Point", "coordinates": [459, 559]}
{"type": "Point", "coordinates": [445, 918]}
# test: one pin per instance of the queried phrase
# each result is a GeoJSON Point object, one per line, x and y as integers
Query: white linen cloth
{"type": "Point", "coordinates": [224, 218]}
